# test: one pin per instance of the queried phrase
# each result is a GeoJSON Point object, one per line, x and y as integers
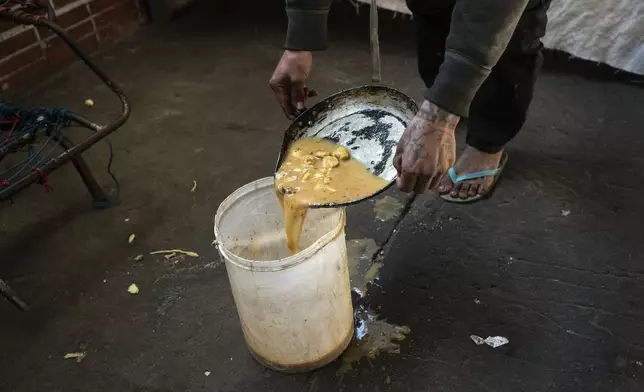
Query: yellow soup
{"type": "Point", "coordinates": [317, 171]}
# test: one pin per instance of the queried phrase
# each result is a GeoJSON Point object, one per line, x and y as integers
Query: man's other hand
{"type": "Point", "coordinates": [289, 81]}
{"type": "Point", "coordinates": [426, 150]}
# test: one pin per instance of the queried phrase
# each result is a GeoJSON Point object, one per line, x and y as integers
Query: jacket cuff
{"type": "Point", "coordinates": [457, 82]}
{"type": "Point", "coordinates": [307, 29]}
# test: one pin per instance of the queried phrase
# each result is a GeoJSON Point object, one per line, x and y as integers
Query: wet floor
{"type": "Point", "coordinates": [388, 208]}
{"type": "Point", "coordinates": [553, 261]}
{"type": "Point", "coordinates": [374, 336]}
{"type": "Point", "coordinates": [363, 267]}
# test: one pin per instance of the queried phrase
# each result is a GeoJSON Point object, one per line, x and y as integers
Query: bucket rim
{"type": "Point", "coordinates": [270, 265]}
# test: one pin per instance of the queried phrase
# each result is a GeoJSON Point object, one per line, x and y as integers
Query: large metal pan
{"type": "Point", "coordinates": [368, 120]}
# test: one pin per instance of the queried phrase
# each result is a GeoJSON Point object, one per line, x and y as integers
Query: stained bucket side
{"type": "Point", "coordinates": [295, 311]}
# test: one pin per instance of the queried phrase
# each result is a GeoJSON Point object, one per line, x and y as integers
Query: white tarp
{"type": "Point", "coordinates": [605, 31]}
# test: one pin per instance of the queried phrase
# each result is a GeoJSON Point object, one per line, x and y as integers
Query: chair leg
{"type": "Point", "coordinates": [99, 199]}
{"type": "Point", "coordinates": [11, 295]}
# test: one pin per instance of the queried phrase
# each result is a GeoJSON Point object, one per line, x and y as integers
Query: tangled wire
{"type": "Point", "coordinates": [36, 135]}
{"type": "Point", "coordinates": [34, 6]}
{"type": "Point", "coordinates": [35, 132]}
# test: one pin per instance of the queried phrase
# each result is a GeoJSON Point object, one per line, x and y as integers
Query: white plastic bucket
{"type": "Point", "coordinates": [295, 311]}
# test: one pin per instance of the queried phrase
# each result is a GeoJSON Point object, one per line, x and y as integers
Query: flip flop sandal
{"type": "Point", "coordinates": [472, 176]}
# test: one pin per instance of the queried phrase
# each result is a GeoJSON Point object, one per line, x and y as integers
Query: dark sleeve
{"type": "Point", "coordinates": [307, 24]}
{"type": "Point", "coordinates": [479, 33]}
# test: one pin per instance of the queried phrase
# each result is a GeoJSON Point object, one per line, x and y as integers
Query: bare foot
{"type": "Point", "coordinates": [471, 161]}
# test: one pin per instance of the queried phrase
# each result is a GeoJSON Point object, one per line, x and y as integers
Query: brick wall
{"type": "Point", "coordinates": [28, 55]}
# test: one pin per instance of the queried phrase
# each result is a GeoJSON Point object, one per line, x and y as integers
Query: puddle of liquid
{"type": "Point", "coordinates": [362, 270]}
{"type": "Point", "coordinates": [387, 208]}
{"type": "Point", "coordinates": [373, 337]}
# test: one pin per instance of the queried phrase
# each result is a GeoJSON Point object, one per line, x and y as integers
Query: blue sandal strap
{"type": "Point", "coordinates": [471, 176]}
{"type": "Point", "coordinates": [452, 175]}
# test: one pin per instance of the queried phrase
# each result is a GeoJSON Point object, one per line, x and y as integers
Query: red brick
{"type": "Point", "coordinates": [59, 54]}
{"type": "Point", "coordinates": [5, 25]}
{"type": "Point", "coordinates": [115, 18]}
{"type": "Point", "coordinates": [77, 31]}
{"type": "Point", "coordinates": [17, 42]}
{"type": "Point", "coordinates": [69, 18]}
{"type": "Point", "coordinates": [73, 16]}
{"type": "Point", "coordinates": [36, 71]}
{"type": "Point", "coordinates": [81, 30]}
{"type": "Point", "coordinates": [61, 3]}
{"type": "Point", "coordinates": [20, 60]}
{"type": "Point", "coordinates": [97, 6]}
{"type": "Point", "coordinates": [123, 14]}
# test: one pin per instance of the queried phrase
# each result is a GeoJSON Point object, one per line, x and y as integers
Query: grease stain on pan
{"type": "Point", "coordinates": [371, 134]}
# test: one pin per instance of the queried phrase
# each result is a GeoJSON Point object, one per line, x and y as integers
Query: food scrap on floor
{"type": "Point", "coordinates": [175, 251]}
{"type": "Point", "coordinates": [78, 356]}
{"type": "Point", "coordinates": [133, 289]}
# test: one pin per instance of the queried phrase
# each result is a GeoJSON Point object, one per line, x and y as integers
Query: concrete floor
{"type": "Point", "coordinates": [567, 291]}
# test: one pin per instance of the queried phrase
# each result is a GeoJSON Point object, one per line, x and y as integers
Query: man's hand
{"type": "Point", "coordinates": [289, 81]}
{"type": "Point", "coordinates": [426, 150]}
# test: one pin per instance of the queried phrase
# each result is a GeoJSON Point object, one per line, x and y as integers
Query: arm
{"type": "Point", "coordinates": [307, 24]}
{"type": "Point", "coordinates": [479, 33]}
{"type": "Point", "coordinates": [306, 32]}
